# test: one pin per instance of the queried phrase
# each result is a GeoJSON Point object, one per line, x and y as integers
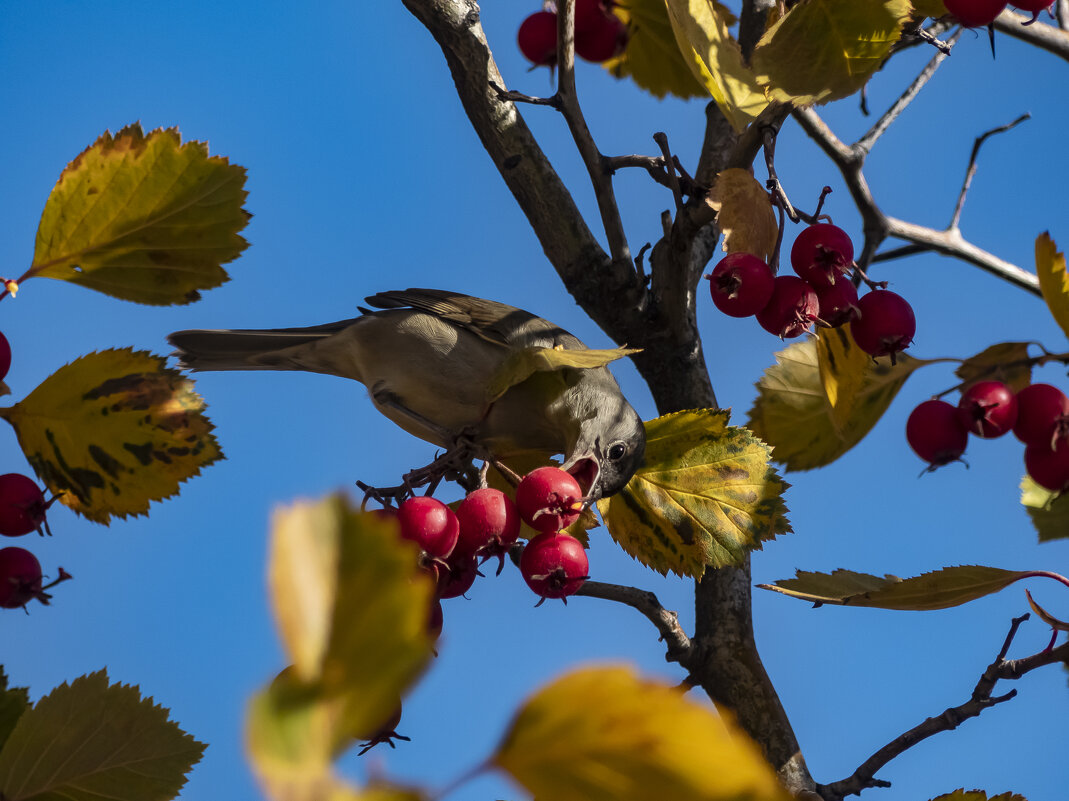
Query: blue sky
{"type": "Point", "coordinates": [365, 176]}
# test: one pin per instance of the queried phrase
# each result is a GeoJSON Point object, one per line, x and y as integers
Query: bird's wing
{"type": "Point", "coordinates": [492, 321]}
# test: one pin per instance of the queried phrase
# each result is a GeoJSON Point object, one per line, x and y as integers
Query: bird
{"type": "Point", "coordinates": [428, 358]}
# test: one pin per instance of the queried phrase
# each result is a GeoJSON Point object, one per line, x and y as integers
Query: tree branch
{"type": "Point", "coordinates": [667, 622]}
{"type": "Point", "coordinates": [1046, 37]}
{"type": "Point", "coordinates": [951, 718]}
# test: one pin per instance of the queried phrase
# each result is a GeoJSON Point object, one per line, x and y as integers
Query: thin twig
{"type": "Point", "coordinates": [646, 602]}
{"type": "Point", "coordinates": [669, 165]}
{"type": "Point", "coordinates": [980, 699]}
{"type": "Point", "coordinates": [971, 171]}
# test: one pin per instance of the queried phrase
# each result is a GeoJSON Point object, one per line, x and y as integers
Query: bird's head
{"type": "Point", "coordinates": [611, 447]}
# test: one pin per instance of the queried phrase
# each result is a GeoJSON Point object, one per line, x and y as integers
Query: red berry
{"type": "Point", "coordinates": [1042, 416]}
{"type": "Point", "coordinates": [537, 38]}
{"type": "Point", "coordinates": [603, 41]}
{"type": "Point", "coordinates": [554, 565]}
{"type": "Point", "coordinates": [838, 302]}
{"type": "Point", "coordinates": [741, 284]}
{"type": "Point", "coordinates": [22, 505]}
{"type": "Point", "coordinates": [822, 254]}
{"type": "Point", "coordinates": [457, 577]}
{"type": "Point", "coordinates": [489, 523]}
{"type": "Point", "coordinates": [988, 409]}
{"type": "Point", "coordinates": [935, 433]}
{"type": "Point", "coordinates": [792, 308]}
{"type": "Point", "coordinates": [1048, 468]}
{"type": "Point", "coordinates": [430, 523]}
{"type": "Point", "coordinates": [549, 499]}
{"type": "Point", "coordinates": [20, 577]}
{"type": "Point", "coordinates": [975, 13]}
{"type": "Point", "coordinates": [1033, 6]}
{"type": "Point", "coordinates": [589, 14]}
{"type": "Point", "coordinates": [885, 324]}
{"type": "Point", "coordinates": [5, 356]}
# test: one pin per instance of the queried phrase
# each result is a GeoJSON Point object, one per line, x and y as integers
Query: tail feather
{"type": "Point", "coordinates": [202, 349]}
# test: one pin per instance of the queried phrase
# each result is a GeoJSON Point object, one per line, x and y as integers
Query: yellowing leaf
{"type": "Point", "coordinates": [352, 606]}
{"type": "Point", "coordinates": [652, 58]}
{"type": "Point", "coordinates": [743, 213]}
{"type": "Point", "coordinates": [1053, 282]}
{"type": "Point", "coordinates": [795, 415]}
{"type": "Point", "coordinates": [1046, 616]}
{"type": "Point", "coordinates": [1049, 513]}
{"type": "Point", "coordinates": [112, 431]}
{"type": "Point", "coordinates": [822, 50]}
{"type": "Point", "coordinates": [605, 734]}
{"type": "Point", "coordinates": [522, 364]}
{"type": "Point", "coordinates": [1005, 362]}
{"type": "Point", "coordinates": [715, 59]}
{"type": "Point", "coordinates": [978, 795]}
{"type": "Point", "coordinates": [13, 702]}
{"type": "Point", "coordinates": [93, 740]}
{"type": "Point", "coordinates": [941, 589]}
{"type": "Point", "coordinates": [143, 218]}
{"type": "Point", "coordinates": [706, 496]}
{"type": "Point", "coordinates": [843, 368]}
{"type": "Point", "coordinates": [929, 8]}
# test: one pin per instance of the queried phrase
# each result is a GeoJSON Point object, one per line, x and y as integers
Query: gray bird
{"type": "Point", "coordinates": [428, 358]}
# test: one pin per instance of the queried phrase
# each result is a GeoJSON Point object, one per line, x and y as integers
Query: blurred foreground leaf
{"type": "Point", "coordinates": [823, 50]}
{"type": "Point", "coordinates": [940, 589]}
{"type": "Point", "coordinates": [1053, 281]}
{"type": "Point", "coordinates": [715, 59]}
{"type": "Point", "coordinates": [822, 397]}
{"type": "Point", "coordinates": [705, 496]}
{"type": "Point", "coordinates": [1049, 512]}
{"type": "Point", "coordinates": [605, 734]}
{"type": "Point", "coordinates": [652, 58]}
{"type": "Point", "coordinates": [90, 740]}
{"type": "Point", "coordinates": [112, 431]}
{"type": "Point", "coordinates": [143, 218]}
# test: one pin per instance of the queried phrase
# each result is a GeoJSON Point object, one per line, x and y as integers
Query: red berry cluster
{"type": "Point", "coordinates": [978, 13]}
{"type": "Point", "coordinates": [882, 323]}
{"type": "Point", "coordinates": [599, 34]}
{"type": "Point", "coordinates": [1038, 415]}
{"type": "Point", "coordinates": [486, 524]}
{"type": "Point", "coordinates": [22, 510]}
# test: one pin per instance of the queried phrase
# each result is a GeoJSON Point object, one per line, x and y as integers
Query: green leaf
{"type": "Point", "coordinates": [13, 702]}
{"type": "Point", "coordinates": [112, 431]}
{"type": "Point", "coordinates": [823, 50]}
{"type": "Point", "coordinates": [352, 606]}
{"type": "Point", "coordinates": [522, 364]}
{"type": "Point", "coordinates": [1053, 281]}
{"type": "Point", "coordinates": [1049, 511]}
{"type": "Point", "coordinates": [978, 795]}
{"type": "Point", "coordinates": [1005, 362]}
{"type": "Point", "coordinates": [822, 397]}
{"type": "Point", "coordinates": [652, 58]}
{"type": "Point", "coordinates": [715, 59]}
{"type": "Point", "coordinates": [605, 734]}
{"type": "Point", "coordinates": [143, 218]}
{"type": "Point", "coordinates": [941, 589]}
{"type": "Point", "coordinates": [90, 740]}
{"type": "Point", "coordinates": [705, 497]}
{"type": "Point", "coordinates": [743, 213]}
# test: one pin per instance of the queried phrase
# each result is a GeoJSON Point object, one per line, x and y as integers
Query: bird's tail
{"type": "Point", "coordinates": [247, 349]}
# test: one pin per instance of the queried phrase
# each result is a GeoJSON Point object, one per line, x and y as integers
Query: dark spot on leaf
{"type": "Point", "coordinates": [143, 453]}
{"type": "Point", "coordinates": [108, 463]}
{"type": "Point", "coordinates": [176, 451]}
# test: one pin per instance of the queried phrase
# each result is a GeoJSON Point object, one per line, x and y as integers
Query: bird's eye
{"type": "Point", "coordinates": [617, 451]}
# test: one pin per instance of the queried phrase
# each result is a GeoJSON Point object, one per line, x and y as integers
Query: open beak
{"type": "Point", "coordinates": [585, 470]}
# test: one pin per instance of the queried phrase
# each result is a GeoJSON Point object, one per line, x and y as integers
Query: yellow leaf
{"type": "Point", "coordinates": [715, 59]}
{"type": "Point", "coordinates": [1005, 362]}
{"type": "Point", "coordinates": [1049, 511]}
{"type": "Point", "coordinates": [522, 364]}
{"type": "Point", "coordinates": [822, 50]}
{"type": "Point", "coordinates": [352, 605]}
{"type": "Point", "coordinates": [112, 431]}
{"type": "Point", "coordinates": [606, 734]}
{"type": "Point", "coordinates": [744, 213]}
{"type": "Point", "coordinates": [652, 58]}
{"type": "Point", "coordinates": [843, 367]}
{"type": "Point", "coordinates": [795, 415]}
{"type": "Point", "coordinates": [143, 218]}
{"type": "Point", "coordinates": [940, 589]}
{"type": "Point", "coordinates": [1053, 282]}
{"type": "Point", "coordinates": [706, 496]}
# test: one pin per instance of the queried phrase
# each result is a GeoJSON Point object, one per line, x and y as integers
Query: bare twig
{"type": "Point", "coordinates": [646, 602]}
{"type": "Point", "coordinates": [661, 139]}
{"type": "Point", "coordinates": [971, 171]}
{"type": "Point", "coordinates": [951, 718]}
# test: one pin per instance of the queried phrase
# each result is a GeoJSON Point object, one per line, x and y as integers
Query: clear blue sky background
{"type": "Point", "coordinates": [364, 176]}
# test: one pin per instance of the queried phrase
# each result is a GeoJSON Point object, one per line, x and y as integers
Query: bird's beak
{"type": "Point", "coordinates": [585, 470]}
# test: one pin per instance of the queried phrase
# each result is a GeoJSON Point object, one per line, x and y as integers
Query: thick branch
{"type": "Point", "coordinates": [1046, 37]}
